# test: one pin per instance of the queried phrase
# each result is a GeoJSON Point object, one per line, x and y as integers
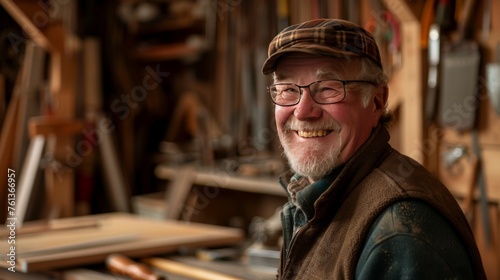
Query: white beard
{"type": "Point", "coordinates": [314, 161]}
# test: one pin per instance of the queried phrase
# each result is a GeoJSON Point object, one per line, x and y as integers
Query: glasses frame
{"type": "Point", "coordinates": [344, 83]}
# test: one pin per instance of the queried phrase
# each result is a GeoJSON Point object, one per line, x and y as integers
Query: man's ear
{"type": "Point", "coordinates": [381, 97]}
{"type": "Point", "coordinates": [380, 100]}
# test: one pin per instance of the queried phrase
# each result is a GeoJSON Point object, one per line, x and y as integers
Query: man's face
{"type": "Point", "coordinates": [317, 138]}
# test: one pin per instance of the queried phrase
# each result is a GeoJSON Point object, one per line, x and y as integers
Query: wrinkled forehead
{"type": "Point", "coordinates": [327, 67]}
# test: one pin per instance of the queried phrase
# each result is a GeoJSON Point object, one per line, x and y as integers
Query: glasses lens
{"type": "Point", "coordinates": [327, 92]}
{"type": "Point", "coordinates": [323, 92]}
{"type": "Point", "coordinates": [285, 94]}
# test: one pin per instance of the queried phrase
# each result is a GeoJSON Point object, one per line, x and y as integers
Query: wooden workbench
{"type": "Point", "coordinates": [76, 241]}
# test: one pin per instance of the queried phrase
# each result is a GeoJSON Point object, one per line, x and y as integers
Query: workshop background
{"type": "Point", "coordinates": [158, 107]}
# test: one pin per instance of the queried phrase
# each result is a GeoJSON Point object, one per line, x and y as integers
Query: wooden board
{"type": "Point", "coordinates": [123, 233]}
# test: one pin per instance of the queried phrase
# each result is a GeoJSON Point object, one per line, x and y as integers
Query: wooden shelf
{"type": "Point", "coordinates": [221, 179]}
{"type": "Point", "coordinates": [169, 25]}
{"type": "Point", "coordinates": [166, 52]}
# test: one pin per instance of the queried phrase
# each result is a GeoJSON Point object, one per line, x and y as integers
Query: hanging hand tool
{"type": "Point", "coordinates": [493, 85]}
{"type": "Point", "coordinates": [459, 76]}
{"type": "Point", "coordinates": [483, 196]}
{"type": "Point", "coordinates": [481, 182]}
{"type": "Point", "coordinates": [436, 28]}
{"type": "Point", "coordinates": [434, 51]}
{"type": "Point", "coordinates": [492, 68]}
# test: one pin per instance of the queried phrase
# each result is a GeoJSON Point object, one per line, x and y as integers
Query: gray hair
{"type": "Point", "coordinates": [372, 72]}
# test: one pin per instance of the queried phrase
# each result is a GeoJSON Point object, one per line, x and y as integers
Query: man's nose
{"type": "Point", "coordinates": [307, 108]}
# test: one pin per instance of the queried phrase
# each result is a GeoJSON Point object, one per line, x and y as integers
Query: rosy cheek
{"type": "Point", "coordinates": [282, 114]}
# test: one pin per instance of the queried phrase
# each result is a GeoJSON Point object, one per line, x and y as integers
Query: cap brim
{"type": "Point", "coordinates": [272, 61]}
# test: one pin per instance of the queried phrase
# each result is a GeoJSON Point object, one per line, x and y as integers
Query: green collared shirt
{"type": "Point", "coordinates": [300, 209]}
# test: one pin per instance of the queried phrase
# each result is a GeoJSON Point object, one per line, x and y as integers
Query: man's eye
{"type": "Point", "coordinates": [286, 92]}
{"type": "Point", "coordinates": [328, 91]}
{"type": "Point", "coordinates": [289, 90]}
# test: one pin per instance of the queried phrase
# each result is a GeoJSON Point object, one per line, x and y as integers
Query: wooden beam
{"type": "Point", "coordinates": [408, 80]}
{"type": "Point", "coordinates": [7, 148]}
{"type": "Point", "coordinates": [54, 36]}
{"type": "Point", "coordinates": [55, 126]}
{"type": "Point", "coordinates": [21, 13]}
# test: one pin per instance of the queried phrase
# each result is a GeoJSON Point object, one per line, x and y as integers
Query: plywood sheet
{"type": "Point", "coordinates": [113, 233]}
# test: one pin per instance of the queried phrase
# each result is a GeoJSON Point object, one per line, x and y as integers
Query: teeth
{"type": "Point", "coordinates": [309, 134]}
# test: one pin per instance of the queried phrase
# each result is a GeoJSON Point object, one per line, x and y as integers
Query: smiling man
{"type": "Point", "coordinates": [358, 209]}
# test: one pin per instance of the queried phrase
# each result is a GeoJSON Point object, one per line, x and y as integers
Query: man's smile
{"type": "Point", "coordinates": [315, 133]}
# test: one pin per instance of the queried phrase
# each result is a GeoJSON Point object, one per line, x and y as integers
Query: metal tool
{"type": "Point", "coordinates": [493, 85]}
{"type": "Point", "coordinates": [453, 155]}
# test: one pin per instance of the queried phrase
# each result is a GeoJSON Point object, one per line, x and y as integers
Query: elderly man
{"type": "Point", "coordinates": [358, 209]}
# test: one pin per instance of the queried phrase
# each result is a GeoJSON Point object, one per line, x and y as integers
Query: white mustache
{"type": "Point", "coordinates": [311, 126]}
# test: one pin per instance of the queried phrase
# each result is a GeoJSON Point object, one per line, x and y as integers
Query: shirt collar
{"type": "Point", "coordinates": [307, 193]}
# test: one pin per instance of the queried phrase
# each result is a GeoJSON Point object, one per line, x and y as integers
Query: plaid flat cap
{"type": "Point", "coordinates": [329, 37]}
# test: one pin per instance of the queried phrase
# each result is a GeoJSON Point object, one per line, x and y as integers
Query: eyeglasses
{"type": "Point", "coordinates": [322, 92]}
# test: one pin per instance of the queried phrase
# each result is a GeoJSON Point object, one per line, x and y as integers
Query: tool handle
{"type": "Point", "coordinates": [189, 271]}
{"type": "Point", "coordinates": [464, 26]}
{"type": "Point", "coordinates": [122, 265]}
